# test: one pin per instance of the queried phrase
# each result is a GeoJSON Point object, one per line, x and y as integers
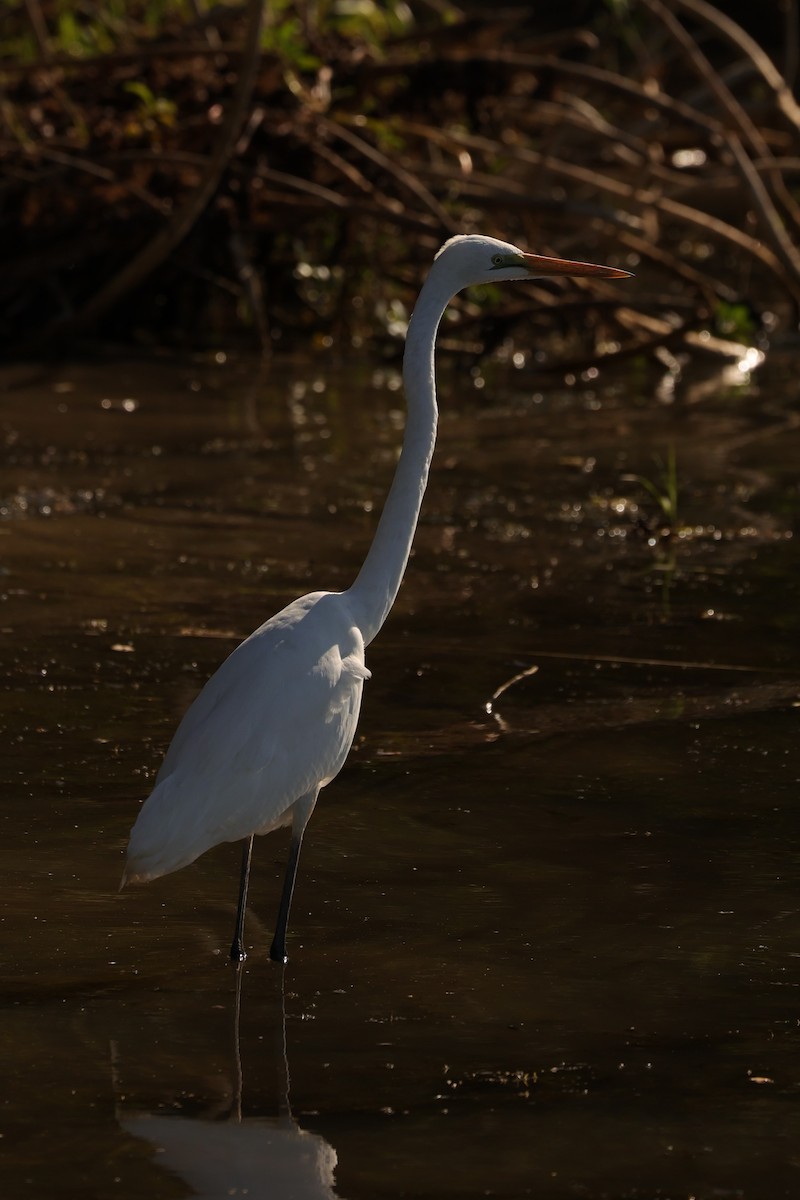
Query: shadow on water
{"type": "Point", "coordinates": [547, 929]}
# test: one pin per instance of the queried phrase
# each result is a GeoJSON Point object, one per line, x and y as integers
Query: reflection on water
{"type": "Point", "coordinates": [548, 948]}
{"type": "Point", "coordinates": [238, 1155]}
{"type": "Point", "coordinates": [253, 1157]}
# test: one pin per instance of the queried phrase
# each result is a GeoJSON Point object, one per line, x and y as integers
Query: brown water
{"type": "Point", "coordinates": [550, 948]}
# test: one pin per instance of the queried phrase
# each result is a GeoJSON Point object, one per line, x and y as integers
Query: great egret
{"type": "Point", "coordinates": [275, 723]}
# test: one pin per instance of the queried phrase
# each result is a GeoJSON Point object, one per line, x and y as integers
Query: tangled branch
{"type": "Point", "coordinates": [290, 173]}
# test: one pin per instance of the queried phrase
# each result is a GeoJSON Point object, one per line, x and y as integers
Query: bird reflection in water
{"type": "Point", "coordinates": [260, 1157]}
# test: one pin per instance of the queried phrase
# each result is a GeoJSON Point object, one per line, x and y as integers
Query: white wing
{"type": "Point", "coordinates": [275, 722]}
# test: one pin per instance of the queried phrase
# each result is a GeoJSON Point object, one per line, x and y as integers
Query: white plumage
{"type": "Point", "coordinates": [275, 723]}
{"type": "Point", "coordinates": [242, 754]}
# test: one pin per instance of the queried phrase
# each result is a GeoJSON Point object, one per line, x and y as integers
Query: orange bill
{"type": "Point", "coordinates": [539, 264]}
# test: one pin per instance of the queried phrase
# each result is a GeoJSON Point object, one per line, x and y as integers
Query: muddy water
{"type": "Point", "coordinates": [546, 939]}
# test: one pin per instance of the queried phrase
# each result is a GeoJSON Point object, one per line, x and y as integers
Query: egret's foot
{"type": "Point", "coordinates": [238, 952]}
{"type": "Point", "coordinates": [278, 952]}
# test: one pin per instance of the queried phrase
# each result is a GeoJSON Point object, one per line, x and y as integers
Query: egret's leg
{"type": "Point", "coordinates": [238, 953]}
{"type": "Point", "coordinates": [301, 811]}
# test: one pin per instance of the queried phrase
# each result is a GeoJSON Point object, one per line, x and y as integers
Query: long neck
{"type": "Point", "coordinates": [374, 591]}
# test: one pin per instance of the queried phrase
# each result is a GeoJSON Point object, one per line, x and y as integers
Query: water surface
{"type": "Point", "coordinates": [547, 931]}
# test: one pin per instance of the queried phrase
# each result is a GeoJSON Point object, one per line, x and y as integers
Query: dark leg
{"type": "Point", "coordinates": [301, 811]}
{"type": "Point", "coordinates": [238, 953]}
{"type": "Point", "coordinates": [277, 950]}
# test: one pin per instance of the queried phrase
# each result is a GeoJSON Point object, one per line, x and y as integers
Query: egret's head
{"type": "Point", "coordinates": [473, 258]}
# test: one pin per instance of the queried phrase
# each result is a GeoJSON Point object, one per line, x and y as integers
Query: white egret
{"type": "Point", "coordinates": [275, 723]}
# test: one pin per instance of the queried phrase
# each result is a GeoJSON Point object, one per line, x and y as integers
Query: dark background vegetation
{"type": "Point", "coordinates": [177, 172]}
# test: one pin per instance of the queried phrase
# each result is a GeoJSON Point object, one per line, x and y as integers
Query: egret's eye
{"type": "Point", "coordinates": [497, 260]}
